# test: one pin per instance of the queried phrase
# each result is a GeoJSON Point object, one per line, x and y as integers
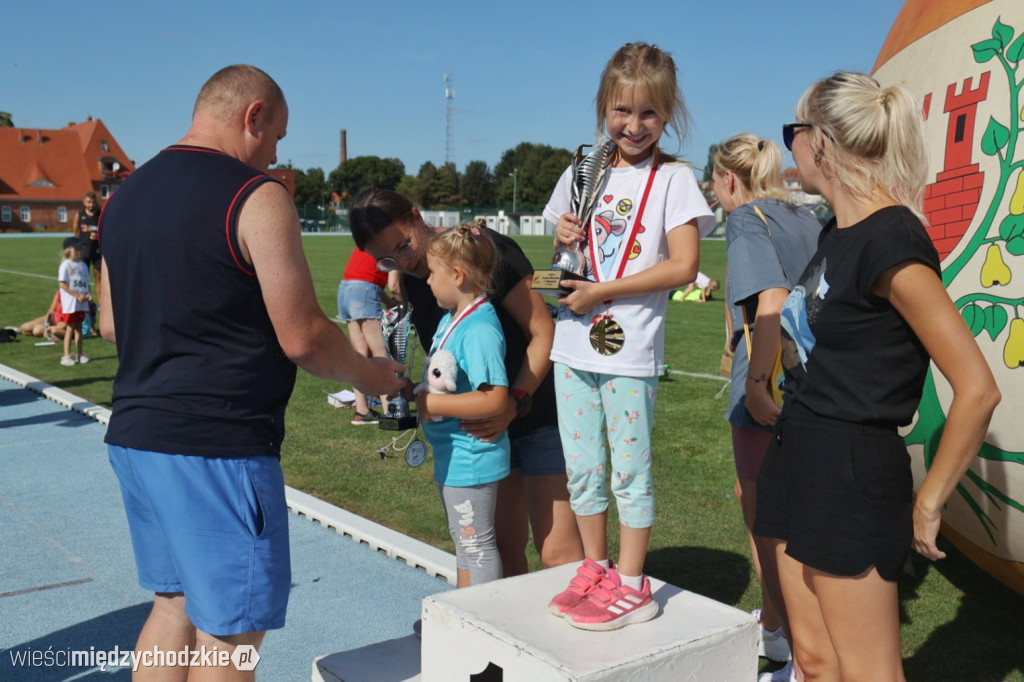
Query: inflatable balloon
{"type": "Point", "coordinates": [964, 61]}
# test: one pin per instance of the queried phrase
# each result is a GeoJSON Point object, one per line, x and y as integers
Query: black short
{"type": "Point", "coordinates": [839, 494]}
{"type": "Point", "coordinates": [90, 252]}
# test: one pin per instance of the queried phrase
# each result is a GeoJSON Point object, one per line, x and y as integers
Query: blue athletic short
{"type": "Point", "coordinates": [538, 453]}
{"type": "Point", "coordinates": [213, 528]}
{"type": "Point", "coordinates": [358, 300]}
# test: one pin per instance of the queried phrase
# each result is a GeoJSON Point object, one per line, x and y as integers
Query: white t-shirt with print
{"type": "Point", "coordinates": [675, 199]}
{"type": "Point", "coordinates": [75, 274]}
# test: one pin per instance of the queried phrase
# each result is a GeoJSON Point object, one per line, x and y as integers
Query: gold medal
{"type": "Point", "coordinates": [606, 336]}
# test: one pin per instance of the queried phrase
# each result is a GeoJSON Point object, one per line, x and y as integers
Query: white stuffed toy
{"type": "Point", "coordinates": [439, 376]}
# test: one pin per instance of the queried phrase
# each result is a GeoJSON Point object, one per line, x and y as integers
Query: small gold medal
{"type": "Point", "coordinates": [606, 336]}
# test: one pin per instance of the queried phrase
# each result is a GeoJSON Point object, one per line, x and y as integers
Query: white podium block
{"type": "Point", "coordinates": [504, 628]}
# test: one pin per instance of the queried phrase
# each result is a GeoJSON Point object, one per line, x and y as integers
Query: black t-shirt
{"type": "Point", "coordinates": [848, 353]}
{"type": "Point", "coordinates": [511, 268]}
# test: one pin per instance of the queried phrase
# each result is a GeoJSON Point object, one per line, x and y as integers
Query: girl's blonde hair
{"type": "Point", "coordinates": [756, 163]}
{"type": "Point", "coordinates": [70, 252]}
{"type": "Point", "coordinates": [651, 68]}
{"type": "Point", "coordinates": [470, 247]}
{"type": "Point", "coordinates": [876, 135]}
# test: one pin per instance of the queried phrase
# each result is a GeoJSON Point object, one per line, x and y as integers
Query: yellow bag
{"type": "Point", "coordinates": [725, 367]}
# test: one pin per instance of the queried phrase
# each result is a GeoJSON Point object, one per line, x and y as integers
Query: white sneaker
{"type": "Point", "coordinates": [786, 673]}
{"type": "Point", "coordinates": [67, 361]}
{"type": "Point", "coordinates": [772, 644]}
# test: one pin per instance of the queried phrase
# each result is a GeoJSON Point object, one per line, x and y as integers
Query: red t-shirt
{"type": "Point", "coordinates": [362, 266]}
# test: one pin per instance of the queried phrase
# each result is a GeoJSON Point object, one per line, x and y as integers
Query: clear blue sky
{"type": "Point", "coordinates": [522, 71]}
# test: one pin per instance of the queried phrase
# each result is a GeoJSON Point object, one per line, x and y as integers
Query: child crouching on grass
{"type": "Point", "coordinates": [467, 469]}
{"type": "Point", "coordinates": [73, 280]}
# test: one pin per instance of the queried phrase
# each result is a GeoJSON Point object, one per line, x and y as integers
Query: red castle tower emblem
{"type": "Point", "coordinates": [951, 201]}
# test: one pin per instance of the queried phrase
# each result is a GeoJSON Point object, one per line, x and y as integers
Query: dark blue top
{"type": "Point", "coordinates": [201, 371]}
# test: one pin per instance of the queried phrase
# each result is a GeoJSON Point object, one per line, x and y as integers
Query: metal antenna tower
{"type": "Point", "coordinates": [449, 97]}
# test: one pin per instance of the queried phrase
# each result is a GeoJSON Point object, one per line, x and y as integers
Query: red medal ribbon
{"type": "Point", "coordinates": [476, 303]}
{"type": "Point", "coordinates": [624, 258]}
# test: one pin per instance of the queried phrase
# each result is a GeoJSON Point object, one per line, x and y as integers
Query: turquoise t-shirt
{"type": "Point", "coordinates": [479, 349]}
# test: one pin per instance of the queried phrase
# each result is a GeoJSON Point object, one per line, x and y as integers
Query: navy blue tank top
{"type": "Point", "coordinates": [201, 371]}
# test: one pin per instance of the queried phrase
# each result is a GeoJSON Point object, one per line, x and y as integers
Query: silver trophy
{"type": "Point", "coordinates": [397, 330]}
{"type": "Point", "coordinates": [588, 173]}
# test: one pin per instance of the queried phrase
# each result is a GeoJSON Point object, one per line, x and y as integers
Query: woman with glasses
{"type": "Point", "coordinates": [769, 240]}
{"type": "Point", "coordinates": [835, 492]}
{"type": "Point", "coordinates": [534, 496]}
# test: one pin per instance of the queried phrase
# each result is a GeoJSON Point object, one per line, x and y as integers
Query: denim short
{"type": "Point", "coordinates": [358, 300]}
{"type": "Point", "coordinates": [538, 453]}
{"type": "Point", "coordinates": [213, 528]}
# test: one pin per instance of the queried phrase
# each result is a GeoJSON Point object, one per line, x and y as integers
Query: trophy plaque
{"type": "Point", "coordinates": [569, 262]}
{"type": "Point", "coordinates": [396, 328]}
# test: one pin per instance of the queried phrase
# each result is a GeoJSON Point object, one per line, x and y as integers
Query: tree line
{"type": "Point", "coordinates": [526, 174]}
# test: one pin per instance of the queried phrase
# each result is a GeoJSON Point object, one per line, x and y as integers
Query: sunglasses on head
{"type": "Point", "coordinates": [789, 132]}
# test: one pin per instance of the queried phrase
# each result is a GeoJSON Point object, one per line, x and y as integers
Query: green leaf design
{"type": "Point", "coordinates": [995, 138]}
{"type": "Point", "coordinates": [986, 50]}
{"type": "Point", "coordinates": [1011, 226]}
{"type": "Point", "coordinates": [1016, 49]}
{"type": "Point", "coordinates": [1015, 246]}
{"type": "Point", "coordinates": [995, 320]}
{"type": "Point", "coordinates": [1002, 33]}
{"type": "Point", "coordinates": [974, 316]}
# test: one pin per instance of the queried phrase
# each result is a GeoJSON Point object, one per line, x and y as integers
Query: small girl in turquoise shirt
{"type": "Point", "coordinates": [467, 469]}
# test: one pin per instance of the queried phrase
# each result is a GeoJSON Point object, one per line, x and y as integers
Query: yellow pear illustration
{"type": "Point", "coordinates": [994, 271]}
{"type": "Point", "coordinates": [1017, 200]}
{"type": "Point", "coordinates": [1013, 351]}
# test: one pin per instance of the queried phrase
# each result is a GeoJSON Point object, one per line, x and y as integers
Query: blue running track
{"type": "Point", "coordinates": [67, 576]}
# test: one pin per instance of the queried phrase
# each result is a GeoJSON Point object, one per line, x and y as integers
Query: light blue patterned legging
{"type": "Point", "coordinates": [607, 418]}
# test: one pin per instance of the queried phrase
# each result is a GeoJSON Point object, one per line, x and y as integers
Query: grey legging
{"type": "Point", "coordinates": [470, 514]}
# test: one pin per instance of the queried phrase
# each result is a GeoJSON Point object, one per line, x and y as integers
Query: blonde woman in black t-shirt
{"type": "Point", "coordinates": [860, 330]}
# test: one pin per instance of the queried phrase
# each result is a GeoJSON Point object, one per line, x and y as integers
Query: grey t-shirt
{"type": "Point", "coordinates": [761, 256]}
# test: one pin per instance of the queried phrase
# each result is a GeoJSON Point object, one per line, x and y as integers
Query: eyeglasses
{"type": "Point", "coordinates": [402, 252]}
{"type": "Point", "coordinates": [789, 132]}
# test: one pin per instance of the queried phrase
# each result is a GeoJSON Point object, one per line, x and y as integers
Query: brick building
{"type": "Point", "coordinates": [45, 173]}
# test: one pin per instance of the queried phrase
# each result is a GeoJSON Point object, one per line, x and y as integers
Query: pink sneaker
{"type": "Point", "coordinates": [586, 578]}
{"type": "Point", "coordinates": [612, 605]}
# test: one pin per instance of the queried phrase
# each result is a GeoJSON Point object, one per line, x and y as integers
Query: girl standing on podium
{"type": "Point", "coordinates": [642, 241]}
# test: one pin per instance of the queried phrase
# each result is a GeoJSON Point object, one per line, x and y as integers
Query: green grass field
{"type": "Point", "coordinates": [958, 624]}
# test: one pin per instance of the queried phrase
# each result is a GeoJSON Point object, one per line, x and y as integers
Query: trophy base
{"type": "Point", "coordinates": [546, 282]}
{"type": "Point", "coordinates": [396, 423]}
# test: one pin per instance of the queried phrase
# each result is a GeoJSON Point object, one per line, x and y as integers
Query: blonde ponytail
{"type": "Point", "coordinates": [876, 134]}
{"type": "Point", "coordinates": [756, 163]}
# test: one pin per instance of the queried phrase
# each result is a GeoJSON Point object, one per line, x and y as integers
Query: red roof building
{"type": "Point", "coordinates": [45, 173]}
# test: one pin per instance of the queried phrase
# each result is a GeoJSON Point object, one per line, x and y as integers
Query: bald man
{"type": "Point", "coordinates": [208, 296]}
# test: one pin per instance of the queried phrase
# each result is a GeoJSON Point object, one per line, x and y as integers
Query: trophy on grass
{"type": "Point", "coordinates": [587, 174]}
{"type": "Point", "coordinates": [396, 328]}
